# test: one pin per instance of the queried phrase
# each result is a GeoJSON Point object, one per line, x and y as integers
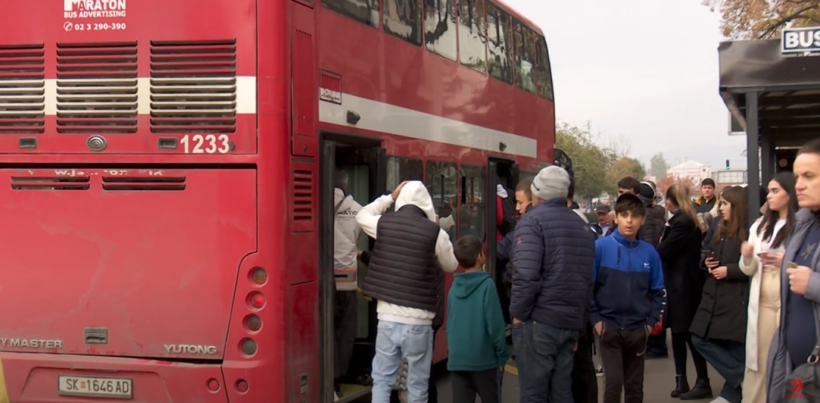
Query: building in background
{"type": "Point", "coordinates": [690, 169]}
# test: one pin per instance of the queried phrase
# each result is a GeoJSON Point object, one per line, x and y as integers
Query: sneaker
{"type": "Point", "coordinates": [720, 400]}
{"type": "Point", "coordinates": [337, 396]}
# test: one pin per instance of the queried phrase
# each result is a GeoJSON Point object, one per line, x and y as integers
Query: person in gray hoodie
{"type": "Point", "coordinates": [345, 269]}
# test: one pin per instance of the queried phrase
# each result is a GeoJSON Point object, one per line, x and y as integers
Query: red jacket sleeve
{"type": "Point", "coordinates": [499, 217]}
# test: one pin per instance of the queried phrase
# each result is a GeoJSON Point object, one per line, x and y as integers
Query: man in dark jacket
{"type": "Point", "coordinates": [552, 283]}
{"type": "Point", "coordinates": [651, 232]}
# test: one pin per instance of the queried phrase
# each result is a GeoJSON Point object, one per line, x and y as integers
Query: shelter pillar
{"type": "Point", "coordinates": [752, 160]}
{"type": "Point", "coordinates": [766, 158]}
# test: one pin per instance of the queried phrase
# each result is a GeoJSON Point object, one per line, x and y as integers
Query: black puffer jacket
{"type": "Point", "coordinates": [722, 311]}
{"type": "Point", "coordinates": [653, 227]}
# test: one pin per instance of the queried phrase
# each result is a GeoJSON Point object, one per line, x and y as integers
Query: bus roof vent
{"type": "Point", "coordinates": [193, 86]}
{"type": "Point", "coordinates": [97, 87]}
{"type": "Point", "coordinates": [22, 89]}
{"type": "Point", "coordinates": [143, 183]}
{"type": "Point", "coordinates": [50, 182]}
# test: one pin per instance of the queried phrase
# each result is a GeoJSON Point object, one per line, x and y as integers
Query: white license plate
{"type": "Point", "coordinates": [119, 388]}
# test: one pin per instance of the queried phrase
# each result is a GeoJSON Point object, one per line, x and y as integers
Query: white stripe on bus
{"type": "Point", "coordinates": [385, 118]}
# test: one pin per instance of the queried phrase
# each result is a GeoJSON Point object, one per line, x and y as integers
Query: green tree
{"type": "Point", "coordinates": [621, 168]}
{"type": "Point", "coordinates": [763, 19]}
{"type": "Point", "coordinates": [658, 166]}
{"type": "Point", "coordinates": [589, 161]}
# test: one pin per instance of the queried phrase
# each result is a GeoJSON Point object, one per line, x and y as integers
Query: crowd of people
{"type": "Point", "coordinates": [740, 297]}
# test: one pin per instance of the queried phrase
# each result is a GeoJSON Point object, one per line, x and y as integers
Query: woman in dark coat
{"type": "Point", "coordinates": [719, 327]}
{"type": "Point", "coordinates": [680, 253]}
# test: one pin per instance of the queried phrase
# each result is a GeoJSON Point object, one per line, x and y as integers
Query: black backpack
{"type": "Point", "coordinates": [509, 213]}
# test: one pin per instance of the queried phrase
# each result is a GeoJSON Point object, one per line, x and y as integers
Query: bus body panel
{"type": "Point", "coordinates": [133, 72]}
{"type": "Point", "coordinates": [123, 262]}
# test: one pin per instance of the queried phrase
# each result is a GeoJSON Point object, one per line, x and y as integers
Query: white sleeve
{"type": "Point", "coordinates": [444, 252]}
{"type": "Point", "coordinates": [749, 266]}
{"type": "Point", "coordinates": [368, 216]}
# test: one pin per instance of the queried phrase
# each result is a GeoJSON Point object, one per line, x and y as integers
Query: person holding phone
{"type": "Point", "coordinates": [761, 260]}
{"type": "Point", "coordinates": [719, 327]}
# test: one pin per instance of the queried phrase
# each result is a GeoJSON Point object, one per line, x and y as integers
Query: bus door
{"type": "Point", "coordinates": [364, 161]}
{"type": "Point", "coordinates": [504, 172]}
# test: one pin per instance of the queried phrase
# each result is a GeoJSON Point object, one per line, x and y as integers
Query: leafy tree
{"type": "Point", "coordinates": [658, 166]}
{"type": "Point", "coordinates": [589, 161]}
{"type": "Point", "coordinates": [763, 19]}
{"type": "Point", "coordinates": [621, 168]}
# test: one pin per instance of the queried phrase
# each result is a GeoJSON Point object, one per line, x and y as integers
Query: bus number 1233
{"type": "Point", "coordinates": [208, 144]}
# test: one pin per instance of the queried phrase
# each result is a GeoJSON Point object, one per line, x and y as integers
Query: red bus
{"type": "Point", "coordinates": [168, 166]}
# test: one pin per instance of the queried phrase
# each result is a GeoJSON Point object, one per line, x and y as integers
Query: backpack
{"type": "Point", "coordinates": [510, 215]}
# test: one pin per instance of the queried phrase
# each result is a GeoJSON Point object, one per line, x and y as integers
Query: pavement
{"type": "Point", "coordinates": [659, 380]}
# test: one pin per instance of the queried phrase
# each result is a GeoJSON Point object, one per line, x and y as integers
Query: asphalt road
{"type": "Point", "coordinates": [659, 380]}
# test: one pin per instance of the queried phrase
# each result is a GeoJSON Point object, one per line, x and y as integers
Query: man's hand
{"type": "Point", "coordinates": [395, 194]}
{"type": "Point", "coordinates": [799, 279]}
{"type": "Point", "coordinates": [599, 329]}
{"type": "Point", "coordinates": [719, 273]}
{"type": "Point", "coordinates": [517, 321]}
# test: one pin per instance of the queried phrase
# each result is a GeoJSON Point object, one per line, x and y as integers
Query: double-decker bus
{"type": "Point", "coordinates": [166, 179]}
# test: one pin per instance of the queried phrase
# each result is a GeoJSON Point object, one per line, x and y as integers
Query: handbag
{"type": "Point", "coordinates": [804, 382]}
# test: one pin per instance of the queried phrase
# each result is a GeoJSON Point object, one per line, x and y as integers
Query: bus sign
{"type": "Point", "coordinates": [800, 40]}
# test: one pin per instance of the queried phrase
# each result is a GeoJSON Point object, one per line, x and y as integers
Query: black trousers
{"type": "Point", "coordinates": [344, 323]}
{"type": "Point", "coordinates": [623, 353]}
{"type": "Point", "coordinates": [584, 380]}
{"type": "Point", "coordinates": [467, 384]}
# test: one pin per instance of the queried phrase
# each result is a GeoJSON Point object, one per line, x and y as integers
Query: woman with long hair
{"type": "Point", "coordinates": [762, 258]}
{"type": "Point", "coordinates": [680, 253]}
{"type": "Point", "coordinates": [719, 327]}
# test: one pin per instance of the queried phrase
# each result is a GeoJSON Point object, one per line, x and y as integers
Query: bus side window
{"type": "Point", "coordinates": [472, 219]}
{"type": "Point", "coordinates": [524, 58]}
{"type": "Point", "coordinates": [472, 35]}
{"type": "Point", "coordinates": [364, 11]}
{"type": "Point", "coordinates": [543, 74]}
{"type": "Point", "coordinates": [439, 20]}
{"type": "Point", "coordinates": [441, 179]}
{"type": "Point", "coordinates": [402, 19]}
{"type": "Point", "coordinates": [498, 43]}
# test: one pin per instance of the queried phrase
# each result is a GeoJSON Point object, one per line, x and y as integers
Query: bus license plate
{"type": "Point", "coordinates": [118, 388]}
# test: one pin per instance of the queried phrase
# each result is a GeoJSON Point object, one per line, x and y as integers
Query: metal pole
{"type": "Point", "coordinates": [752, 162]}
{"type": "Point", "coordinates": [766, 158]}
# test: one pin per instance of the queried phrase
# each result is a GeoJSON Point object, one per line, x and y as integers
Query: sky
{"type": "Point", "coordinates": [642, 70]}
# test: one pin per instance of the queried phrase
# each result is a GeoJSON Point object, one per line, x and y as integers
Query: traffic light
{"type": "Point", "coordinates": [727, 165]}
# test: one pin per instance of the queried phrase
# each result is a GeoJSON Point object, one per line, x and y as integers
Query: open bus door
{"type": "Point", "coordinates": [506, 173]}
{"type": "Point", "coordinates": [365, 162]}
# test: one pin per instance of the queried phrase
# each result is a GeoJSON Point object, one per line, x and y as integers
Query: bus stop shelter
{"type": "Point", "coordinates": [773, 95]}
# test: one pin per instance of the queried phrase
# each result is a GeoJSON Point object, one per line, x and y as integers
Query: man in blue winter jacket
{"type": "Point", "coordinates": [551, 289]}
{"type": "Point", "coordinates": [627, 300]}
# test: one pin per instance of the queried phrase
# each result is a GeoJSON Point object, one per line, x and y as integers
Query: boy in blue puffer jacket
{"type": "Point", "coordinates": [627, 300]}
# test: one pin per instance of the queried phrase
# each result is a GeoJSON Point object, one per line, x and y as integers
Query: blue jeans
{"type": "Point", "coordinates": [394, 341]}
{"type": "Point", "coordinates": [729, 359]}
{"type": "Point", "coordinates": [544, 356]}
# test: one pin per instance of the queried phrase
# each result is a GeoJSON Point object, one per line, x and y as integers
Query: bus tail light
{"type": "Point", "coordinates": [259, 276]}
{"type": "Point", "coordinates": [253, 323]}
{"type": "Point", "coordinates": [256, 300]}
{"type": "Point", "coordinates": [213, 385]}
{"type": "Point", "coordinates": [248, 346]}
{"type": "Point", "coordinates": [241, 386]}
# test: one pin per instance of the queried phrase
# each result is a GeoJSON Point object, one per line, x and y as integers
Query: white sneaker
{"type": "Point", "coordinates": [720, 400]}
{"type": "Point", "coordinates": [336, 396]}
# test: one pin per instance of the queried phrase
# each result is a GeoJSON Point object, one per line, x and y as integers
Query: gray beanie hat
{"type": "Point", "coordinates": [551, 183]}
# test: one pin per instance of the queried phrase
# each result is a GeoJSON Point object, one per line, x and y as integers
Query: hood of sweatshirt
{"type": "Point", "coordinates": [416, 194]}
{"type": "Point", "coordinates": [465, 284]}
{"type": "Point", "coordinates": [339, 195]}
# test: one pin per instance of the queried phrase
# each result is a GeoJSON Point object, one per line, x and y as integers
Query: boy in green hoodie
{"type": "Point", "coordinates": [475, 328]}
